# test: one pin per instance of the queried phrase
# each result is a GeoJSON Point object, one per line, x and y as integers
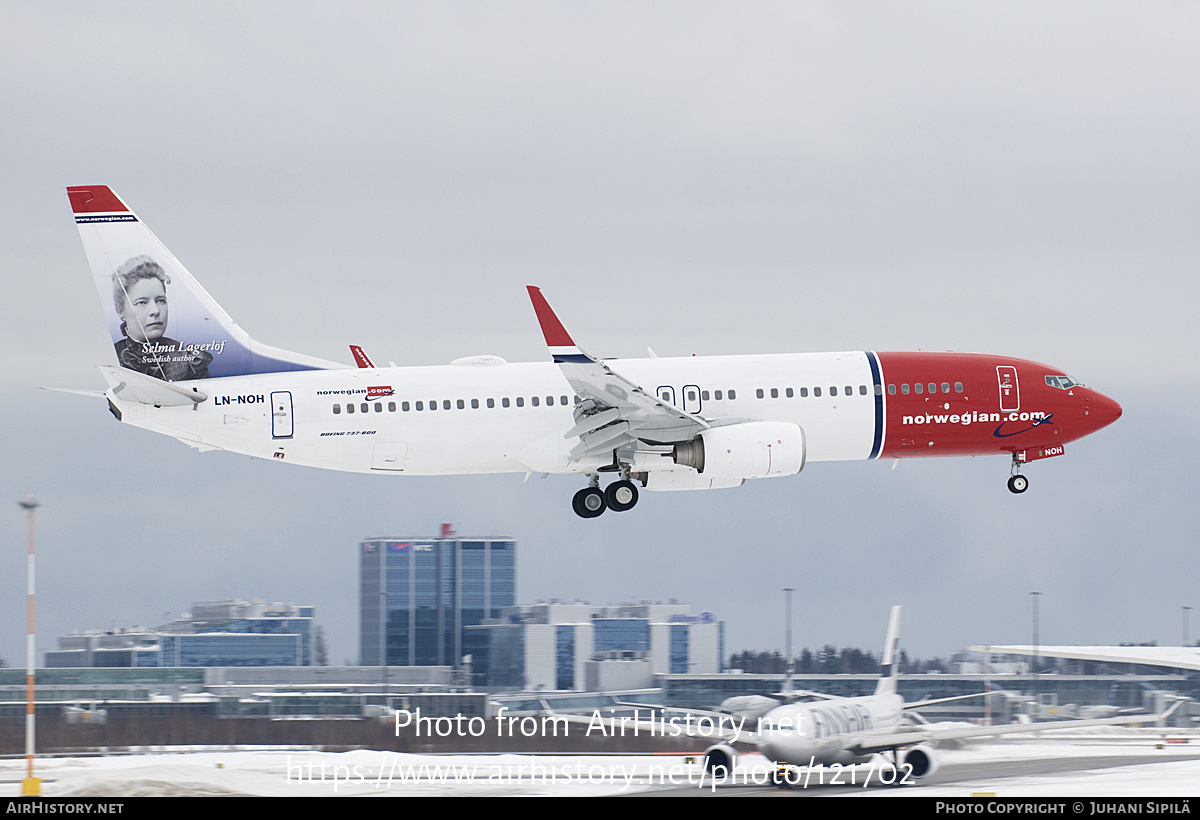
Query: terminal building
{"type": "Point", "coordinates": [217, 633]}
{"type": "Point", "coordinates": [418, 596]}
{"type": "Point", "coordinates": [580, 647]}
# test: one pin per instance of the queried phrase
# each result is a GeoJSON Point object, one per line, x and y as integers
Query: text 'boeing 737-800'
{"type": "Point", "coordinates": [186, 369]}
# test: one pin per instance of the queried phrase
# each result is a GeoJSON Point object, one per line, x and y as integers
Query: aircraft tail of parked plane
{"type": "Point", "coordinates": [848, 731]}
{"type": "Point", "coordinates": [186, 369]}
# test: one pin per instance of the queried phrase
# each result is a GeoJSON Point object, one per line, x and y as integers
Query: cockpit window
{"type": "Point", "coordinates": [1063, 382]}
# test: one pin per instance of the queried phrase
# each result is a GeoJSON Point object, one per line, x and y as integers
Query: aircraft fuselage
{"type": "Point", "coordinates": [501, 417]}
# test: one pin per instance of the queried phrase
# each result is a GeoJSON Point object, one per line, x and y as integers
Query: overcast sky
{"type": "Point", "coordinates": [1016, 178]}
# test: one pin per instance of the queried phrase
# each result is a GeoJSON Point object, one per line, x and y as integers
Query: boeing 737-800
{"type": "Point", "coordinates": [186, 369]}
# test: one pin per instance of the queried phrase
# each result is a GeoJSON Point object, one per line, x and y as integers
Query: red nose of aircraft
{"type": "Point", "coordinates": [1102, 411]}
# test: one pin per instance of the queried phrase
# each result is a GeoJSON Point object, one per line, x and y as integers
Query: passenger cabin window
{"type": "Point", "coordinates": [337, 409]}
{"type": "Point", "coordinates": [790, 393]}
{"type": "Point", "coordinates": [833, 391]}
{"type": "Point", "coordinates": [904, 389]}
{"type": "Point", "coordinates": [817, 392]}
{"type": "Point", "coordinates": [349, 408]}
{"type": "Point", "coordinates": [759, 392]}
{"type": "Point", "coordinates": [445, 404]}
{"type": "Point", "coordinates": [774, 392]}
{"type": "Point", "coordinates": [732, 395]}
{"type": "Point", "coordinates": [364, 407]}
{"type": "Point", "coordinates": [804, 392]}
{"type": "Point", "coordinates": [378, 407]}
{"type": "Point", "coordinates": [534, 400]}
{"type": "Point", "coordinates": [945, 387]}
{"type": "Point", "coordinates": [491, 403]}
{"type": "Point", "coordinates": [504, 401]}
{"type": "Point", "coordinates": [474, 404]}
{"type": "Point", "coordinates": [404, 406]}
{"type": "Point", "coordinates": [420, 405]}
{"type": "Point", "coordinates": [391, 407]}
{"type": "Point", "coordinates": [892, 390]}
{"type": "Point", "coordinates": [717, 395]}
{"type": "Point", "coordinates": [520, 401]}
{"type": "Point", "coordinates": [958, 387]}
{"type": "Point", "coordinates": [920, 388]}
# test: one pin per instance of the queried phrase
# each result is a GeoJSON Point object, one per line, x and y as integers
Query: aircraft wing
{"type": "Point", "coordinates": [918, 704]}
{"type": "Point", "coordinates": [612, 411]}
{"type": "Point", "coordinates": [883, 743]}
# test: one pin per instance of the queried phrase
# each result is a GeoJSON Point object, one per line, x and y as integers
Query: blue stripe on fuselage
{"type": "Point", "coordinates": [877, 387]}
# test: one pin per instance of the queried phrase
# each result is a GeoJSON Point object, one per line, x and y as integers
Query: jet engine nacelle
{"type": "Point", "coordinates": [921, 758]}
{"type": "Point", "coordinates": [751, 449]}
{"type": "Point", "coordinates": [719, 761]}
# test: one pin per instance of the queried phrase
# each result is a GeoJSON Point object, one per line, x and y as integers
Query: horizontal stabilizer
{"type": "Point", "coordinates": [96, 394]}
{"type": "Point", "coordinates": [130, 385]}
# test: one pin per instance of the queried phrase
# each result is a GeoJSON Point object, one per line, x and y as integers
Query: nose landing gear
{"type": "Point", "coordinates": [1017, 483]}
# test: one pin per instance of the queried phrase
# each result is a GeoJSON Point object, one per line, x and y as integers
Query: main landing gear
{"type": "Point", "coordinates": [1017, 483]}
{"type": "Point", "coordinates": [591, 501]}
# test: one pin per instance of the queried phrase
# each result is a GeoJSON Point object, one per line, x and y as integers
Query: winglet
{"type": "Point", "coordinates": [361, 358]}
{"type": "Point", "coordinates": [556, 335]}
{"type": "Point", "coordinates": [562, 348]}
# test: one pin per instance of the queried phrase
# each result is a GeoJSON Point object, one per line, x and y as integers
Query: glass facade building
{"type": "Point", "coordinates": [557, 646]}
{"type": "Point", "coordinates": [216, 633]}
{"type": "Point", "coordinates": [418, 595]}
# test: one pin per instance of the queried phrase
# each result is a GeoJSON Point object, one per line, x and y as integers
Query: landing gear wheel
{"type": "Point", "coordinates": [588, 502]}
{"type": "Point", "coordinates": [621, 496]}
{"type": "Point", "coordinates": [1018, 484]}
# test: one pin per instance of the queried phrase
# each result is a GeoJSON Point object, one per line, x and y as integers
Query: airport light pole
{"type": "Point", "coordinates": [790, 668]}
{"type": "Point", "coordinates": [1034, 665]}
{"type": "Point", "coordinates": [30, 786]}
{"type": "Point", "coordinates": [1186, 610]}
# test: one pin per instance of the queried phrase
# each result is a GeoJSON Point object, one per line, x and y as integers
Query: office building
{"type": "Point", "coordinates": [557, 646]}
{"type": "Point", "coordinates": [417, 596]}
{"type": "Point", "coordinates": [217, 633]}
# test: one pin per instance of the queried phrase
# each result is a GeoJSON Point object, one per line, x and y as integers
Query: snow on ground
{"type": "Point", "coordinates": [276, 773]}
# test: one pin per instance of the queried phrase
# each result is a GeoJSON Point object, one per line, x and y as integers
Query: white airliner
{"type": "Point", "coordinates": [186, 369]}
{"type": "Point", "coordinates": [849, 731]}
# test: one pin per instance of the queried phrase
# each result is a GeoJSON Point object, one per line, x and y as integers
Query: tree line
{"type": "Point", "coordinates": [829, 660]}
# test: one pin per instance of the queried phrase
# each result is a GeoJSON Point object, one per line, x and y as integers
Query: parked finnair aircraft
{"type": "Point", "coordinates": [186, 369]}
{"type": "Point", "coordinates": [848, 731]}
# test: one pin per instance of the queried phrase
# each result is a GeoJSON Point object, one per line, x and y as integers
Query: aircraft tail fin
{"type": "Point", "coordinates": [891, 656]}
{"type": "Point", "coordinates": [162, 322]}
